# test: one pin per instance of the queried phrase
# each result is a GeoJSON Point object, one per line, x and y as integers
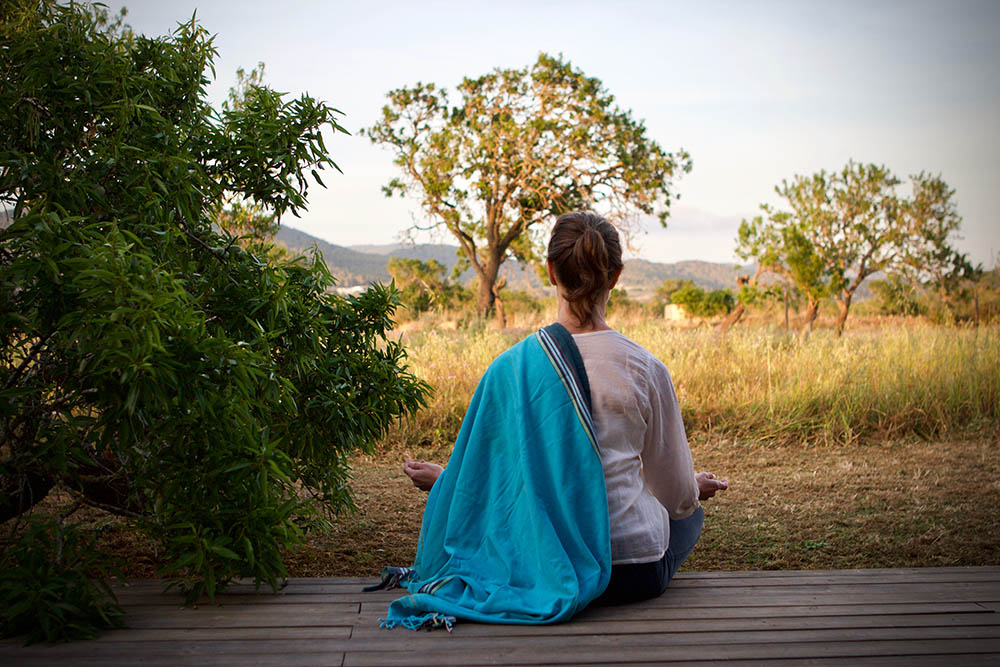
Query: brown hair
{"type": "Point", "coordinates": [585, 253]}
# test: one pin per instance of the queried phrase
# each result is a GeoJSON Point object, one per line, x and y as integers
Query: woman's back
{"type": "Point", "coordinates": [647, 463]}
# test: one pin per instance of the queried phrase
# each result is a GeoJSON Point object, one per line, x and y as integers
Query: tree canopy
{"type": "Point", "coordinates": [700, 303]}
{"type": "Point", "coordinates": [150, 365]}
{"type": "Point", "coordinates": [844, 226]}
{"type": "Point", "coordinates": [520, 146]}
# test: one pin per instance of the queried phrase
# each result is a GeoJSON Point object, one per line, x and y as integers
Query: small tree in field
{"type": "Point", "coordinates": [700, 303]}
{"type": "Point", "coordinates": [780, 249]}
{"type": "Point", "coordinates": [521, 146]}
{"type": "Point", "coordinates": [422, 285]}
{"type": "Point", "coordinates": [150, 365]}
{"type": "Point", "coordinates": [847, 225]}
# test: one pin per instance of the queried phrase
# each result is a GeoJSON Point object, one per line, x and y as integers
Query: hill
{"type": "Point", "coordinates": [641, 277]}
{"type": "Point", "coordinates": [362, 264]}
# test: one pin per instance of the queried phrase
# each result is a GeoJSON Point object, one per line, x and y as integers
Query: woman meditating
{"type": "Point", "coordinates": [571, 481]}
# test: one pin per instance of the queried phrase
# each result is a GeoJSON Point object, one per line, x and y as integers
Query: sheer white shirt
{"type": "Point", "coordinates": [647, 463]}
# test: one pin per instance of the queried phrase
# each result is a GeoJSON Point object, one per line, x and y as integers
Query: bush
{"type": "Point", "coordinates": [52, 585]}
{"type": "Point", "coordinates": [897, 297]}
{"type": "Point", "coordinates": [150, 364]}
{"type": "Point", "coordinates": [701, 304]}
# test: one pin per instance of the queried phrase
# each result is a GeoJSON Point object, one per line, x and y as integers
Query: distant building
{"type": "Point", "coordinates": [353, 290]}
{"type": "Point", "coordinates": [674, 313]}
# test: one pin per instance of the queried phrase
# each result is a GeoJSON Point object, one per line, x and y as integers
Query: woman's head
{"type": "Point", "coordinates": [586, 257]}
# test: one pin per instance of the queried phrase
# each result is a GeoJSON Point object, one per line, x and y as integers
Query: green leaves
{"type": "Point", "coordinates": [700, 303]}
{"type": "Point", "coordinates": [423, 286]}
{"type": "Point", "coordinates": [48, 589]}
{"type": "Point", "coordinates": [209, 390]}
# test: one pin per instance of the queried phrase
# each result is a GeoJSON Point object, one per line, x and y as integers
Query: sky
{"type": "Point", "coordinates": [757, 92]}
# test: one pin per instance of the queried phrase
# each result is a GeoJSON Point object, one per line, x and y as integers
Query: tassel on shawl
{"type": "Point", "coordinates": [424, 622]}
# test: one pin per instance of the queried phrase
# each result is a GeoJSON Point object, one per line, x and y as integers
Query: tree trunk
{"type": "Point", "coordinates": [733, 317]}
{"type": "Point", "coordinates": [498, 302]}
{"type": "Point", "coordinates": [487, 280]}
{"type": "Point", "coordinates": [811, 312]}
{"type": "Point", "coordinates": [484, 304]}
{"type": "Point", "coordinates": [785, 294]}
{"type": "Point", "coordinates": [737, 314]}
{"type": "Point", "coordinates": [845, 305]}
{"type": "Point", "coordinates": [20, 492]}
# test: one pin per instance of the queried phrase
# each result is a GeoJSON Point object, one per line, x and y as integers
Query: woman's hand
{"type": "Point", "coordinates": [422, 473]}
{"type": "Point", "coordinates": [708, 485]}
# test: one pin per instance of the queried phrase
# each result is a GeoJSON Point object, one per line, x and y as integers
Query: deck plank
{"type": "Point", "coordinates": [462, 644]}
{"type": "Point", "coordinates": [892, 617]}
{"type": "Point", "coordinates": [526, 655]}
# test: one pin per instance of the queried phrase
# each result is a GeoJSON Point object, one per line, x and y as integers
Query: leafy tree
{"type": "Point", "coordinates": [664, 293]}
{"type": "Point", "coordinates": [149, 364]}
{"type": "Point", "coordinates": [847, 225]}
{"type": "Point", "coordinates": [930, 263]}
{"type": "Point", "coordinates": [242, 217]}
{"type": "Point", "coordinates": [897, 296]}
{"type": "Point", "coordinates": [521, 146]}
{"type": "Point", "coordinates": [700, 303]}
{"type": "Point", "coordinates": [781, 250]}
{"type": "Point", "coordinates": [422, 285]}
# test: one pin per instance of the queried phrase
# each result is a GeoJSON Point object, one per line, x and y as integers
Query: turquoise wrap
{"type": "Point", "coordinates": [516, 528]}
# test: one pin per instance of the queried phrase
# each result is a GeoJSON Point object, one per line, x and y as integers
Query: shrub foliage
{"type": "Point", "coordinates": [150, 364]}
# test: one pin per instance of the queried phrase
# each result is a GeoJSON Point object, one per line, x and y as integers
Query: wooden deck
{"type": "Point", "coordinates": [939, 616]}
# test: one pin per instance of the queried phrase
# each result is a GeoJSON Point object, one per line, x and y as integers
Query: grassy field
{"type": "Point", "coordinates": [877, 449]}
{"type": "Point", "coordinates": [874, 384]}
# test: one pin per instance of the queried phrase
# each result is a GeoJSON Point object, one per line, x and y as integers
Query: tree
{"type": "Point", "coordinates": [521, 146]}
{"type": "Point", "coordinates": [897, 297]}
{"type": "Point", "coordinates": [149, 364]}
{"type": "Point", "coordinates": [422, 285]}
{"type": "Point", "coordinates": [847, 225]}
{"type": "Point", "coordinates": [700, 303]}
{"type": "Point", "coordinates": [930, 262]}
{"type": "Point", "coordinates": [664, 293]}
{"type": "Point", "coordinates": [781, 250]}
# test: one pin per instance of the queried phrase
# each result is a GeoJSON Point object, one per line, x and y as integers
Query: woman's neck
{"type": "Point", "coordinates": [565, 317]}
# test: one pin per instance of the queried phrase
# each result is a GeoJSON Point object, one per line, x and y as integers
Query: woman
{"type": "Point", "coordinates": [652, 492]}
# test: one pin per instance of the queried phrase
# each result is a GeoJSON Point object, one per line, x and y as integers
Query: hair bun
{"type": "Point", "coordinates": [585, 252]}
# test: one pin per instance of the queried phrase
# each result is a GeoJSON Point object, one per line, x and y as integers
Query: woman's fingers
{"type": "Point", "coordinates": [708, 485]}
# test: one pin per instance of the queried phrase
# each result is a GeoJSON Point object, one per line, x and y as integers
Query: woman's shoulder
{"type": "Point", "coordinates": [613, 345]}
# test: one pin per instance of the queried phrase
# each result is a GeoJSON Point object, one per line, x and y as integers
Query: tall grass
{"type": "Point", "coordinates": [916, 381]}
{"type": "Point", "coordinates": [871, 384]}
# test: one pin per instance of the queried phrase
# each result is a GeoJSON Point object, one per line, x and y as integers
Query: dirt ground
{"type": "Point", "coordinates": [917, 504]}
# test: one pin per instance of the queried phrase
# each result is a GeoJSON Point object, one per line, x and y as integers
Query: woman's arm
{"type": "Point", "coordinates": [667, 466]}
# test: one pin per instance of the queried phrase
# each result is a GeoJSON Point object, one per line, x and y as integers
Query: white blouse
{"type": "Point", "coordinates": [644, 450]}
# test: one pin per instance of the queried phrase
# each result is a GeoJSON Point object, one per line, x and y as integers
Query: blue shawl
{"type": "Point", "coordinates": [516, 527]}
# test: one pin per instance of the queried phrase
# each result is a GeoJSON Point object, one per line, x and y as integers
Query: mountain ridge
{"type": "Point", "coordinates": [367, 263]}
